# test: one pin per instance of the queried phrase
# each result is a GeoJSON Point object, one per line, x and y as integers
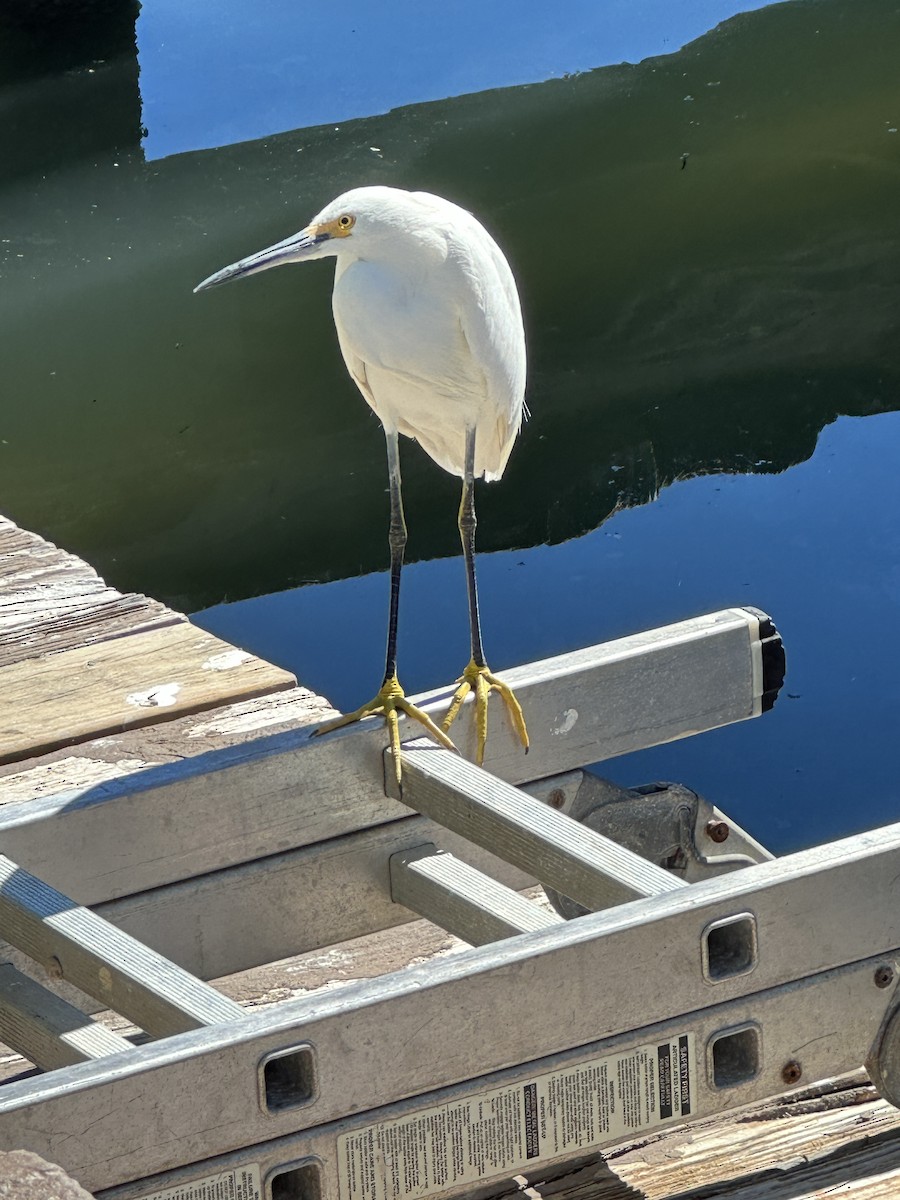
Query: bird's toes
{"type": "Point", "coordinates": [456, 703]}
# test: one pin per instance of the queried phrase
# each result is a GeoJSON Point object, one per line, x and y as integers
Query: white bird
{"type": "Point", "coordinates": [430, 327]}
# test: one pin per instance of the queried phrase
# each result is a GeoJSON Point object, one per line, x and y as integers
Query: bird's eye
{"type": "Point", "coordinates": [346, 221]}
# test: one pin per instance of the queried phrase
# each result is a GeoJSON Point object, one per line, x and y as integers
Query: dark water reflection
{"type": "Point", "coordinates": [682, 319]}
{"type": "Point", "coordinates": [708, 248]}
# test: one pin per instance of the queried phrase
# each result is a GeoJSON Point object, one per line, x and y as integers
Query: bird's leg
{"type": "Point", "coordinates": [397, 543]}
{"type": "Point", "coordinates": [390, 699]}
{"type": "Point", "coordinates": [476, 677]}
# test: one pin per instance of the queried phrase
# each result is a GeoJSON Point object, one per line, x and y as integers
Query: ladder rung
{"type": "Point", "coordinates": [74, 944]}
{"type": "Point", "coordinates": [583, 865]}
{"type": "Point", "coordinates": [47, 1030]}
{"type": "Point", "coordinates": [462, 899]}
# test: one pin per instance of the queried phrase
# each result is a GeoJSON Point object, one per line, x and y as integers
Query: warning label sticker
{"type": "Point", "coordinates": [503, 1130]}
{"type": "Point", "coordinates": [242, 1183]}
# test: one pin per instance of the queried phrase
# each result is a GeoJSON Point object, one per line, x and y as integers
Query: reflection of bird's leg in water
{"type": "Point", "coordinates": [430, 327]}
{"type": "Point", "coordinates": [476, 677]}
{"type": "Point", "coordinates": [390, 699]}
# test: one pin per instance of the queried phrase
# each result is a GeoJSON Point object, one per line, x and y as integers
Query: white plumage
{"type": "Point", "coordinates": [430, 327]}
{"type": "Point", "coordinates": [429, 323]}
{"type": "Point", "coordinates": [427, 316]}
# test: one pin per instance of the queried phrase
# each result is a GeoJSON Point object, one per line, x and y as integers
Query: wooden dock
{"type": "Point", "coordinates": [99, 688]}
{"type": "Point", "coordinates": [87, 674]}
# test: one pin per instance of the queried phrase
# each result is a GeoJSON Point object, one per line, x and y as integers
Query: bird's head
{"type": "Point", "coordinates": [358, 219]}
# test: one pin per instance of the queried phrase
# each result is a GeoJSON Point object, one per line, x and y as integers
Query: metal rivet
{"type": "Point", "coordinates": [717, 831]}
{"type": "Point", "coordinates": [884, 976]}
{"type": "Point", "coordinates": [791, 1071]}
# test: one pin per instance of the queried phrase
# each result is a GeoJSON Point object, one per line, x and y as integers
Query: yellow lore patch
{"type": "Point", "coordinates": [339, 227]}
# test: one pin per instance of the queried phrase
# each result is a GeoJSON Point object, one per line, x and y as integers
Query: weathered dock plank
{"type": "Point", "coordinates": [112, 685]}
{"type": "Point", "coordinates": [837, 1139]}
{"type": "Point", "coordinates": [80, 661]}
{"type": "Point", "coordinates": [101, 760]}
{"type": "Point", "coordinates": [51, 600]}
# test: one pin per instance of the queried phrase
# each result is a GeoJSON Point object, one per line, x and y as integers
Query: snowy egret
{"type": "Point", "coordinates": [430, 327]}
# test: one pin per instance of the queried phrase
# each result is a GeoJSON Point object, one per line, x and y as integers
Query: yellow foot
{"type": "Point", "coordinates": [480, 681]}
{"type": "Point", "coordinates": [390, 701]}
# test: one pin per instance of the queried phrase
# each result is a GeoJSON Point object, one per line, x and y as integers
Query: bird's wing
{"type": "Point", "coordinates": [491, 323]}
{"type": "Point", "coordinates": [399, 341]}
{"type": "Point", "coordinates": [434, 360]}
{"type": "Point", "coordinates": [357, 368]}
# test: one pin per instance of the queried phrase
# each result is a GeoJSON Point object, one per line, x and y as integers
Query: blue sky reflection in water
{"type": "Point", "coordinates": [817, 546]}
{"type": "Point", "coordinates": [262, 69]}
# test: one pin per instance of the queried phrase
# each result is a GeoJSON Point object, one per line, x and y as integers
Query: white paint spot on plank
{"type": "Point", "coordinates": [567, 724]}
{"type": "Point", "coordinates": [227, 660]}
{"type": "Point", "coordinates": [161, 696]}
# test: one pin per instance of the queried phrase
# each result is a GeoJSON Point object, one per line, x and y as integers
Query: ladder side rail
{"type": "Point", "coordinates": [842, 1000]}
{"type": "Point", "coordinates": [152, 828]}
{"type": "Point", "coordinates": [378, 1042]}
{"type": "Point", "coordinates": [213, 925]}
{"type": "Point", "coordinates": [247, 916]}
